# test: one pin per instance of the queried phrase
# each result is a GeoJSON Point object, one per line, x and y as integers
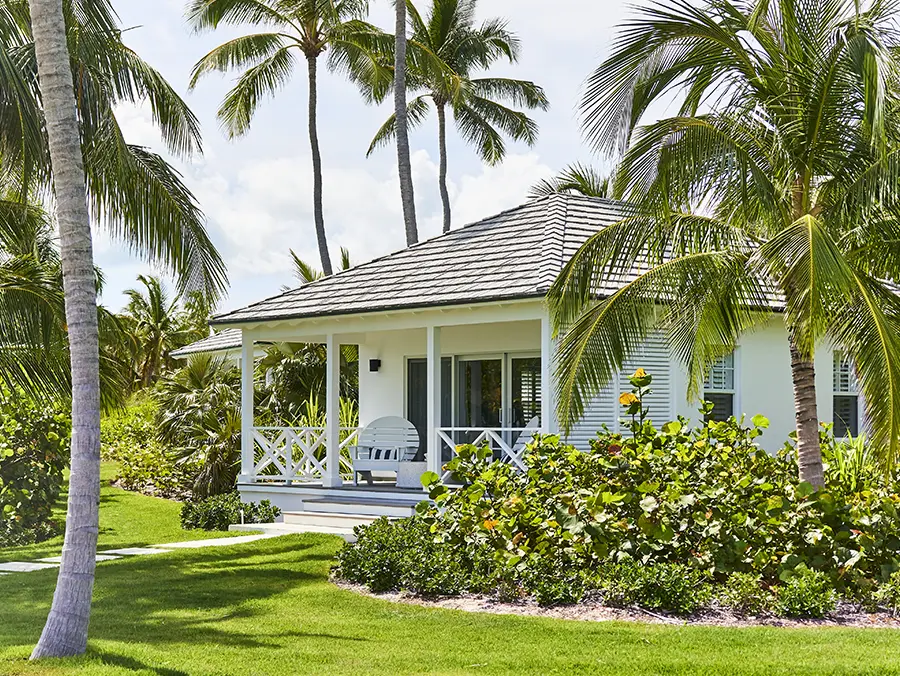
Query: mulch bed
{"type": "Point", "coordinates": [846, 615]}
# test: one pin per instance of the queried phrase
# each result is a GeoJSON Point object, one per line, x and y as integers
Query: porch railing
{"type": "Point", "coordinates": [507, 443]}
{"type": "Point", "coordinates": [292, 454]}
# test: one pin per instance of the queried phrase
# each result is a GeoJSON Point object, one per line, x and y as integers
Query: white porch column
{"type": "Point", "coordinates": [247, 404]}
{"type": "Point", "coordinates": [548, 408]}
{"type": "Point", "coordinates": [433, 351]}
{"type": "Point", "coordinates": [332, 476]}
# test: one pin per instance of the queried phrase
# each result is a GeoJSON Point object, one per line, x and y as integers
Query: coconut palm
{"type": "Point", "coordinates": [577, 178]}
{"type": "Point", "coordinates": [48, 135]}
{"type": "Point", "coordinates": [307, 27]}
{"type": "Point", "coordinates": [446, 50]}
{"type": "Point", "coordinates": [306, 273]}
{"type": "Point", "coordinates": [134, 193]}
{"type": "Point", "coordinates": [157, 324]}
{"type": "Point", "coordinates": [404, 165]}
{"type": "Point", "coordinates": [34, 350]}
{"type": "Point", "coordinates": [786, 191]}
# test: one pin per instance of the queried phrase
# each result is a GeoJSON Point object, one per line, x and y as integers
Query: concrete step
{"type": "Point", "coordinates": [288, 528]}
{"type": "Point", "coordinates": [328, 519]}
{"type": "Point", "coordinates": [361, 506]}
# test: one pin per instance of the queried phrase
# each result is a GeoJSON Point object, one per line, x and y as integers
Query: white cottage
{"type": "Point", "coordinates": [454, 336]}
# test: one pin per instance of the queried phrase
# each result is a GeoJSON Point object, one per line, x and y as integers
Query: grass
{"type": "Point", "coordinates": [126, 520]}
{"type": "Point", "coordinates": [268, 608]}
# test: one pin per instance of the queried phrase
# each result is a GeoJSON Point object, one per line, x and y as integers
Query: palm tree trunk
{"type": "Point", "coordinates": [809, 451]}
{"type": "Point", "coordinates": [404, 166]}
{"type": "Point", "coordinates": [66, 630]}
{"type": "Point", "coordinates": [317, 169]}
{"type": "Point", "coordinates": [442, 144]}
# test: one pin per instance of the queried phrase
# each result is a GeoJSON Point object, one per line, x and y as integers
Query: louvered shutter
{"type": "Point", "coordinates": [601, 410]}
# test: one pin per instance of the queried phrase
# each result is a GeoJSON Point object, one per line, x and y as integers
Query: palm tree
{"type": "Point", "coordinates": [445, 51]}
{"type": "Point", "coordinates": [141, 198]}
{"type": "Point", "coordinates": [157, 324]}
{"type": "Point", "coordinates": [307, 273]}
{"type": "Point", "coordinates": [64, 70]}
{"type": "Point", "coordinates": [404, 165]}
{"type": "Point", "coordinates": [307, 26]}
{"type": "Point", "coordinates": [66, 630]}
{"type": "Point", "coordinates": [34, 350]}
{"type": "Point", "coordinates": [577, 178]}
{"type": "Point", "coordinates": [786, 191]}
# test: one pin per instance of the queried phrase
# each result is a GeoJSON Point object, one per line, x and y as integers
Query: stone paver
{"type": "Point", "coordinates": [100, 557]}
{"type": "Point", "coordinates": [217, 542]}
{"type": "Point", "coordinates": [136, 551]}
{"type": "Point", "coordinates": [24, 567]}
{"type": "Point", "coordinates": [113, 554]}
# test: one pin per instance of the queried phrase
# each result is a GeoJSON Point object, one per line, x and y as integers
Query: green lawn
{"type": "Point", "coordinates": [126, 520]}
{"type": "Point", "coordinates": [268, 608]}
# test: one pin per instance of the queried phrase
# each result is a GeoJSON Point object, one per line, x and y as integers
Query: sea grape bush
{"type": "Point", "coordinates": [33, 454]}
{"type": "Point", "coordinates": [619, 515]}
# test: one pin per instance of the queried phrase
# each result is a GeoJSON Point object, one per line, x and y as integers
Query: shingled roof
{"type": "Point", "coordinates": [514, 254]}
{"type": "Point", "coordinates": [227, 339]}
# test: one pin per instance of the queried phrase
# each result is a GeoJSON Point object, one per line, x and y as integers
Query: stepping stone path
{"type": "Point", "coordinates": [113, 554]}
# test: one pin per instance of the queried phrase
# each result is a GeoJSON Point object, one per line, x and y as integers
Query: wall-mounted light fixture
{"type": "Point", "coordinates": [374, 365]}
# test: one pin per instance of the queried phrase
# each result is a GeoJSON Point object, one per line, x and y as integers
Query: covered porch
{"type": "Point", "coordinates": [473, 374]}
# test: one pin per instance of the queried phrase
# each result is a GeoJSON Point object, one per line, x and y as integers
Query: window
{"type": "Point", "coordinates": [719, 388]}
{"type": "Point", "coordinates": [845, 397]}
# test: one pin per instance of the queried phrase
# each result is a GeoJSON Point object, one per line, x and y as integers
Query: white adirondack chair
{"type": "Point", "coordinates": [382, 445]}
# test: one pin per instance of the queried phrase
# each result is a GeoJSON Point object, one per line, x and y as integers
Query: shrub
{"type": "Point", "coordinates": [806, 593]}
{"type": "Point", "coordinates": [198, 420]}
{"type": "Point", "coordinates": [745, 594]}
{"type": "Point", "coordinates": [888, 594]}
{"type": "Point", "coordinates": [129, 438]}
{"type": "Point", "coordinates": [33, 454]}
{"type": "Point", "coordinates": [672, 587]}
{"type": "Point", "coordinates": [220, 511]}
{"type": "Point", "coordinates": [394, 555]}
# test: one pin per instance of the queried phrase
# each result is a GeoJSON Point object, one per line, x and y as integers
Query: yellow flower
{"type": "Point", "coordinates": [627, 398]}
{"type": "Point", "coordinates": [640, 373]}
{"type": "Point", "coordinates": [490, 524]}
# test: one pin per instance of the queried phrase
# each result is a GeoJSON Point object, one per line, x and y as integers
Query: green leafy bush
{"type": "Point", "coordinates": [34, 445]}
{"type": "Point", "coordinates": [650, 515]}
{"type": "Point", "coordinates": [220, 511]}
{"type": "Point", "coordinates": [746, 594]}
{"type": "Point", "coordinates": [401, 554]}
{"type": "Point", "coordinates": [888, 594]}
{"type": "Point", "coordinates": [129, 438]}
{"type": "Point", "coordinates": [806, 593]}
{"type": "Point", "coordinates": [663, 586]}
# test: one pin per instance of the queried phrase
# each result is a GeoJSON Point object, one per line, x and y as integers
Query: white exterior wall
{"type": "Point", "coordinates": [383, 393]}
{"type": "Point", "coordinates": [762, 364]}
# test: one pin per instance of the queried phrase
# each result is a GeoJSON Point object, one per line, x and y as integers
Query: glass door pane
{"type": "Point", "coordinates": [417, 397]}
{"type": "Point", "coordinates": [480, 395]}
{"type": "Point", "coordinates": [525, 398]}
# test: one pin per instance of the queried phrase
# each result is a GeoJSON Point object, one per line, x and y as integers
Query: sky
{"type": "Point", "coordinates": [256, 191]}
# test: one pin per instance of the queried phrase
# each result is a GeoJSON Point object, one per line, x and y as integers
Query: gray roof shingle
{"type": "Point", "coordinates": [514, 254]}
{"type": "Point", "coordinates": [227, 339]}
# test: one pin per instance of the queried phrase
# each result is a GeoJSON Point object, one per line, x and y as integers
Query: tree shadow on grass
{"type": "Point", "coordinates": [186, 597]}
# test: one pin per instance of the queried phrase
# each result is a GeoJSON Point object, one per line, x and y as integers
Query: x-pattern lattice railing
{"type": "Point", "coordinates": [504, 441]}
{"type": "Point", "coordinates": [296, 453]}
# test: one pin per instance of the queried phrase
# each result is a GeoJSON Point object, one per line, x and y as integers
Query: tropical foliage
{"type": "Point", "coordinates": [578, 179]}
{"type": "Point", "coordinates": [199, 422]}
{"type": "Point", "coordinates": [218, 512]}
{"type": "Point", "coordinates": [643, 517]}
{"type": "Point", "coordinates": [34, 447]}
{"type": "Point", "coordinates": [445, 52]}
{"type": "Point", "coordinates": [268, 59]}
{"type": "Point", "coordinates": [774, 186]}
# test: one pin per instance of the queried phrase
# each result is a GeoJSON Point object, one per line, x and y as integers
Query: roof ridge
{"type": "Point", "coordinates": [553, 240]}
